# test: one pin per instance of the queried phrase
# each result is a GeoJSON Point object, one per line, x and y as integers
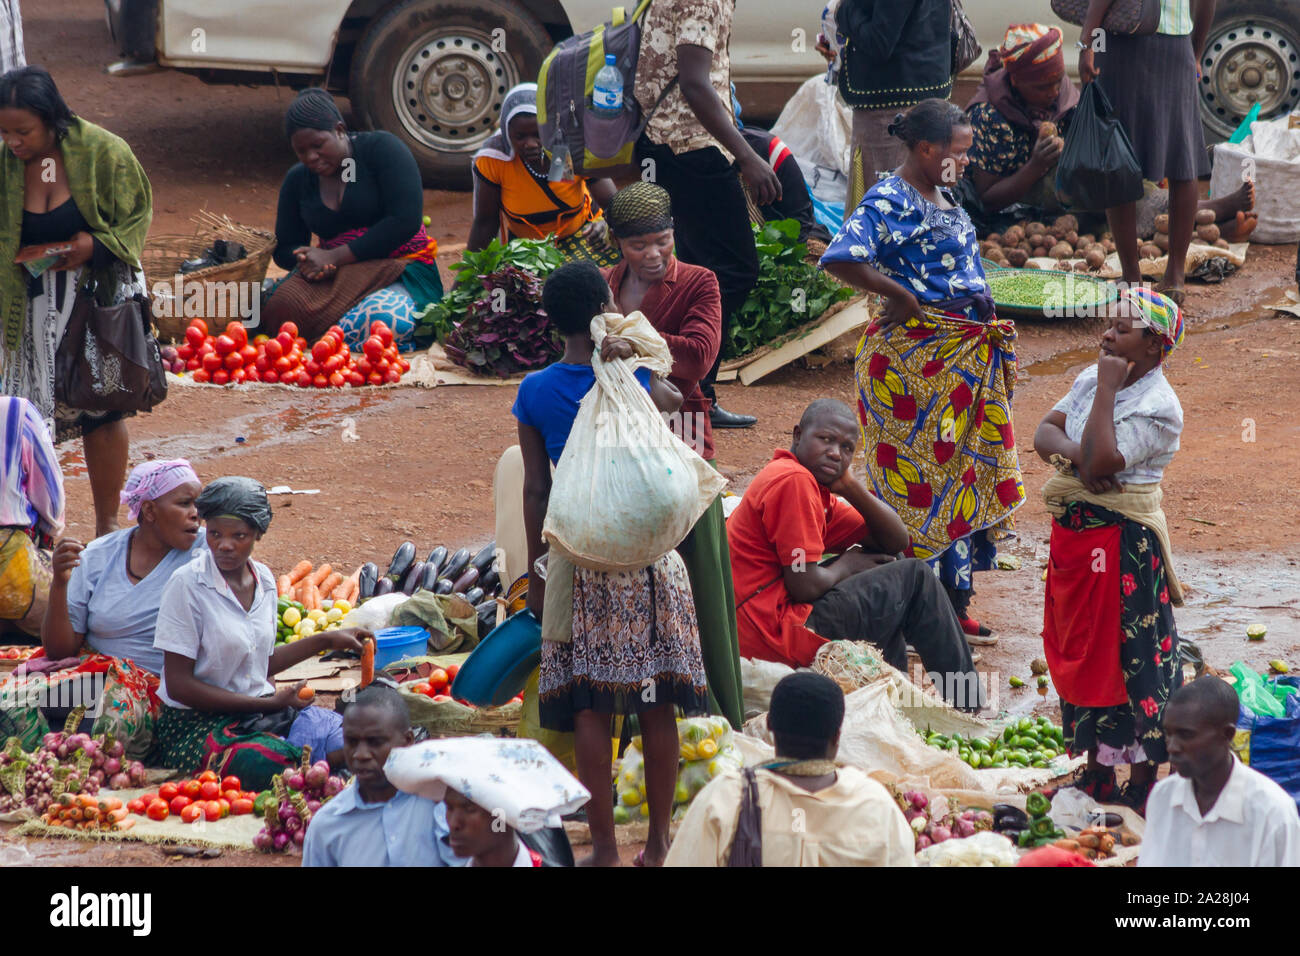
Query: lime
{"type": "Point", "coordinates": [621, 816]}
{"type": "Point", "coordinates": [1256, 632]}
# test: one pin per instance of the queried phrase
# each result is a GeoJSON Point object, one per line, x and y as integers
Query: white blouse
{"type": "Point", "coordinates": [1148, 421]}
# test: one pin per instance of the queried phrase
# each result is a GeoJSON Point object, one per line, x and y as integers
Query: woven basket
{"type": "Point", "coordinates": [163, 256]}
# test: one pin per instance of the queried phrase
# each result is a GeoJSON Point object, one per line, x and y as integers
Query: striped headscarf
{"type": "Point", "coordinates": [1158, 313]}
{"type": "Point", "coordinates": [150, 480]}
{"type": "Point", "coordinates": [1032, 52]}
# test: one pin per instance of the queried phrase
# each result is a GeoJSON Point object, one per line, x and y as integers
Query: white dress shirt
{"type": "Point", "coordinates": [1253, 823]}
{"type": "Point", "coordinates": [404, 831]}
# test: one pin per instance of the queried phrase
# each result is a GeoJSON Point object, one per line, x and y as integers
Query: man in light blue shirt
{"type": "Point", "coordinates": [372, 823]}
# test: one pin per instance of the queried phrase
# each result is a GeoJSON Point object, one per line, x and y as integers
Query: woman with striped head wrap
{"type": "Point", "coordinates": [1108, 625]}
{"type": "Point", "coordinates": [684, 305]}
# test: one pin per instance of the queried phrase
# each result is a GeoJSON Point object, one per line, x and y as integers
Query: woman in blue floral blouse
{"type": "Point", "coordinates": [935, 372]}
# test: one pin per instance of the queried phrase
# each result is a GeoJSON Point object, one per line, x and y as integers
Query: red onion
{"type": "Point", "coordinates": [917, 799]}
{"type": "Point", "coordinates": [313, 805]}
{"type": "Point", "coordinates": [911, 815]}
{"type": "Point", "coordinates": [333, 786]}
{"type": "Point", "coordinates": [963, 829]}
{"type": "Point", "coordinates": [940, 834]}
{"type": "Point", "coordinates": [287, 811]}
{"type": "Point", "coordinates": [52, 739]}
{"type": "Point", "coordinates": [263, 841]}
{"type": "Point", "coordinates": [115, 749]}
{"type": "Point", "coordinates": [294, 781]}
{"type": "Point", "coordinates": [98, 776]}
{"type": "Point", "coordinates": [280, 841]}
{"type": "Point", "coordinates": [91, 747]}
{"type": "Point", "coordinates": [299, 837]}
{"type": "Point", "coordinates": [316, 775]}
{"type": "Point", "coordinates": [62, 750]}
{"type": "Point", "coordinates": [112, 766]}
{"type": "Point", "coordinates": [78, 742]}
{"type": "Point", "coordinates": [923, 841]}
{"type": "Point", "coordinates": [136, 771]}
{"type": "Point", "coordinates": [119, 781]}
{"type": "Point", "coordinates": [293, 824]}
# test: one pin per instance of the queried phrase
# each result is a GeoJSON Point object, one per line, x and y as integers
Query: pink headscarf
{"type": "Point", "coordinates": [151, 480]}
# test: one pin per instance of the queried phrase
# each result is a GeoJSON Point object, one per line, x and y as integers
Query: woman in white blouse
{"type": "Point", "coordinates": [216, 631]}
{"type": "Point", "coordinates": [1108, 625]}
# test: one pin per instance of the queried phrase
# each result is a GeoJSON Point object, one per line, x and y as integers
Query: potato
{"type": "Point", "coordinates": [1087, 237]}
{"type": "Point", "coordinates": [1208, 233]}
{"type": "Point", "coordinates": [1025, 246]}
{"type": "Point", "coordinates": [1149, 250]}
{"type": "Point", "coordinates": [1095, 258]}
{"type": "Point", "coordinates": [1108, 244]}
{"type": "Point", "coordinates": [1013, 236]}
{"type": "Point", "coordinates": [1067, 223]}
{"type": "Point", "coordinates": [1221, 243]}
{"type": "Point", "coordinates": [1035, 227]}
{"type": "Point", "coordinates": [1040, 251]}
{"type": "Point", "coordinates": [1083, 245]}
{"type": "Point", "coordinates": [1205, 217]}
{"type": "Point", "coordinates": [1162, 222]}
{"type": "Point", "coordinates": [1162, 241]}
{"type": "Point", "coordinates": [1063, 266]}
{"type": "Point", "coordinates": [1046, 129]}
{"type": "Point", "coordinates": [1081, 265]}
{"type": "Point", "coordinates": [1017, 257]}
{"type": "Point", "coordinates": [1038, 239]}
{"type": "Point", "coordinates": [995, 238]}
{"type": "Point", "coordinates": [1062, 250]}
{"type": "Point", "coordinates": [1071, 237]}
{"type": "Point", "coordinates": [1032, 265]}
{"type": "Point", "coordinates": [1055, 233]}
{"type": "Point", "coordinates": [1107, 237]}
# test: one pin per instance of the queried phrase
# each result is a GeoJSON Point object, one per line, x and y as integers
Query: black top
{"type": "Point", "coordinates": [59, 225]}
{"type": "Point", "coordinates": [387, 197]}
{"type": "Point", "coordinates": [899, 52]}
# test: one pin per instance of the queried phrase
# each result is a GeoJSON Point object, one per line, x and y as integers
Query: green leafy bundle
{"type": "Point", "coordinates": [789, 292]}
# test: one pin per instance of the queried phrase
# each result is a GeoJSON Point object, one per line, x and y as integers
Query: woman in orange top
{"type": "Point", "coordinates": [514, 200]}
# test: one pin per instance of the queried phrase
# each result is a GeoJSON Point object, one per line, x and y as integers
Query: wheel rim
{"type": "Point", "coordinates": [1247, 62]}
{"type": "Point", "coordinates": [449, 87]}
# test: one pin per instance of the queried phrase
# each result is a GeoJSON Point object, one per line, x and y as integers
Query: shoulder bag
{"type": "Point", "coordinates": [747, 847]}
{"type": "Point", "coordinates": [108, 358]}
{"type": "Point", "coordinates": [1133, 17]}
{"type": "Point", "coordinates": [965, 44]}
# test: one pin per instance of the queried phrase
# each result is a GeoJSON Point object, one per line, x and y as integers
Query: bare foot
{"type": "Point", "coordinates": [1233, 205]}
{"type": "Point", "coordinates": [600, 859]}
{"type": "Point", "coordinates": [1236, 230]}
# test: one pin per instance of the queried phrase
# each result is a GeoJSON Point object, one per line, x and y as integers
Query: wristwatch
{"type": "Point", "coordinates": [1081, 45]}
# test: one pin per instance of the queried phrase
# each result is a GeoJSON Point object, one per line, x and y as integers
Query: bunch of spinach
{"type": "Point", "coordinates": [506, 330]}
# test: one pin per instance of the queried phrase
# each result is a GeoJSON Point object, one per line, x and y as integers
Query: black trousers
{"type": "Point", "coordinates": [897, 604]}
{"type": "Point", "coordinates": [711, 224]}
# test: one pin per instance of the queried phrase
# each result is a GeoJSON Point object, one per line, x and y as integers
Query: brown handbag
{"type": "Point", "coordinates": [108, 359]}
{"type": "Point", "coordinates": [747, 847]}
{"type": "Point", "coordinates": [1132, 17]}
{"type": "Point", "coordinates": [965, 44]}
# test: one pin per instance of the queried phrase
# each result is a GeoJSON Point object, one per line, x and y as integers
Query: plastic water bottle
{"type": "Point", "coordinates": [607, 94]}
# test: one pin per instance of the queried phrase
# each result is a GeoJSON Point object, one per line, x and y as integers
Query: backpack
{"type": "Point", "coordinates": [598, 145]}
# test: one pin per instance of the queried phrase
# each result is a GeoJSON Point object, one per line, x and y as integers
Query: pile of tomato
{"type": "Point", "coordinates": [230, 358]}
{"type": "Point", "coordinates": [437, 686]}
{"type": "Point", "coordinates": [206, 797]}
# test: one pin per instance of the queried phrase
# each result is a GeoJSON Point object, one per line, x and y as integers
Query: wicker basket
{"type": "Point", "coordinates": [163, 256]}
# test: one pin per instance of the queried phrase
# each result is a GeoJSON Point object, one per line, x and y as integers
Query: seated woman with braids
{"type": "Point", "coordinates": [361, 195]}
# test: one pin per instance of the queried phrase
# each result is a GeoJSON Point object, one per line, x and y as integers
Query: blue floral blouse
{"type": "Point", "coordinates": [932, 251]}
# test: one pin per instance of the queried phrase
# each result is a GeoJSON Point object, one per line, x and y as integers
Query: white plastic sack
{"type": "Point", "coordinates": [376, 612]}
{"type": "Point", "coordinates": [1270, 156]}
{"type": "Point", "coordinates": [817, 126]}
{"type": "Point", "coordinates": [626, 490]}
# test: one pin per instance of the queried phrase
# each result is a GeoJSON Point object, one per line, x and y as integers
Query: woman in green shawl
{"type": "Point", "coordinates": [65, 181]}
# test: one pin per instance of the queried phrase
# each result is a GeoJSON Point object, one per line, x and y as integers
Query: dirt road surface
{"type": "Point", "coordinates": [422, 462]}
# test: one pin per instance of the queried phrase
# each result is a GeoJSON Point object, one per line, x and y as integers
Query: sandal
{"type": "Point", "coordinates": [1099, 784]}
{"type": "Point", "coordinates": [977, 633]}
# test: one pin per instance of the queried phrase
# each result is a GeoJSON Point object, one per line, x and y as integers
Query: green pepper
{"type": "Point", "coordinates": [979, 743]}
{"type": "Point", "coordinates": [1026, 724]}
{"type": "Point", "coordinates": [1042, 826]}
{"type": "Point", "coordinates": [986, 759]}
{"type": "Point", "coordinates": [1026, 837]}
{"type": "Point", "coordinates": [1050, 753]}
{"type": "Point", "coordinates": [937, 740]}
{"type": "Point", "coordinates": [259, 804]}
{"type": "Point", "coordinates": [1009, 733]}
{"type": "Point", "coordinates": [974, 761]}
{"type": "Point", "coordinates": [1037, 804]}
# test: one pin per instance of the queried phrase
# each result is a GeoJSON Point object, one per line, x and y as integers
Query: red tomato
{"type": "Point", "coordinates": [363, 366]}
{"type": "Point", "coordinates": [136, 806]}
{"type": "Point", "coordinates": [394, 376]}
{"type": "Point", "coordinates": [320, 381]}
{"type": "Point", "coordinates": [332, 364]}
{"type": "Point", "coordinates": [221, 377]}
{"type": "Point", "coordinates": [295, 356]}
{"type": "Point", "coordinates": [186, 352]}
{"type": "Point", "coordinates": [157, 810]}
{"type": "Point", "coordinates": [337, 332]}
{"type": "Point", "coordinates": [441, 697]}
{"type": "Point", "coordinates": [321, 350]}
{"type": "Point", "coordinates": [290, 328]}
{"type": "Point", "coordinates": [233, 361]}
{"type": "Point", "coordinates": [167, 791]}
{"type": "Point", "coordinates": [240, 375]}
{"type": "Point", "coordinates": [211, 362]}
{"type": "Point", "coordinates": [230, 795]}
{"type": "Point", "coordinates": [191, 787]}
{"type": "Point", "coordinates": [381, 366]}
{"type": "Point", "coordinates": [194, 336]}
{"type": "Point", "coordinates": [224, 804]}
{"type": "Point", "coordinates": [261, 363]}
{"type": "Point", "coordinates": [301, 343]}
{"type": "Point", "coordinates": [273, 349]}
{"type": "Point", "coordinates": [374, 378]}
{"type": "Point", "coordinates": [260, 338]}
{"type": "Point", "coordinates": [356, 379]}
{"type": "Point", "coordinates": [231, 782]}
{"type": "Point", "coordinates": [286, 342]}
{"type": "Point", "coordinates": [248, 354]}
{"type": "Point", "coordinates": [304, 380]}
{"type": "Point", "coordinates": [193, 364]}
{"type": "Point", "coordinates": [438, 677]}
{"type": "Point", "coordinates": [240, 807]}
{"type": "Point", "coordinates": [200, 325]}
{"type": "Point", "coordinates": [270, 376]}
{"type": "Point", "coordinates": [420, 688]}
{"type": "Point", "coordinates": [201, 376]}
{"type": "Point", "coordinates": [313, 367]}
{"type": "Point", "coordinates": [390, 353]}
{"type": "Point", "coordinates": [224, 345]}
{"type": "Point", "coordinates": [178, 804]}
{"type": "Point", "coordinates": [211, 810]}
{"type": "Point", "coordinates": [452, 671]}
{"type": "Point", "coordinates": [209, 789]}
{"type": "Point", "coordinates": [251, 374]}
{"type": "Point", "coordinates": [336, 380]}
{"type": "Point", "coordinates": [282, 365]}
{"type": "Point", "coordinates": [383, 331]}
{"type": "Point", "coordinates": [373, 348]}
{"type": "Point", "coordinates": [404, 365]}
{"type": "Point", "coordinates": [191, 813]}
{"type": "Point", "coordinates": [237, 332]}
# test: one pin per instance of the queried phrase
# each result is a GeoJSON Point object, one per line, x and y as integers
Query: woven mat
{"type": "Point", "coordinates": [229, 832]}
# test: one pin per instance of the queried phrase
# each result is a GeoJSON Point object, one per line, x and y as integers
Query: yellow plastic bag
{"type": "Point", "coordinates": [25, 576]}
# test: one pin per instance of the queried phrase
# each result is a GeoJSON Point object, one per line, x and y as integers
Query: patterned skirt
{"type": "Point", "coordinates": [1131, 732]}
{"type": "Point", "coordinates": [635, 647]}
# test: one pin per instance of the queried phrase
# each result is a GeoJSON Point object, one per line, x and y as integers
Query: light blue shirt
{"type": "Point", "coordinates": [117, 616]}
{"type": "Point", "coordinates": [405, 831]}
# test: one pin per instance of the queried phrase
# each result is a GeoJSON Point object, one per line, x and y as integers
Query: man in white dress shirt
{"type": "Point", "coordinates": [1215, 811]}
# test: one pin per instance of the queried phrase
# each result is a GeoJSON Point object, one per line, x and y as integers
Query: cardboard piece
{"type": "Point", "coordinates": [853, 316]}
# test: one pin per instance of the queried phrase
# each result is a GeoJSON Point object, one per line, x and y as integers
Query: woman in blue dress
{"type": "Point", "coordinates": [936, 370]}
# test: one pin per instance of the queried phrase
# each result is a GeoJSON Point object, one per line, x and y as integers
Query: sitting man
{"type": "Point", "coordinates": [1214, 810]}
{"type": "Point", "coordinates": [845, 818]}
{"type": "Point", "coordinates": [372, 823]}
{"type": "Point", "coordinates": [788, 603]}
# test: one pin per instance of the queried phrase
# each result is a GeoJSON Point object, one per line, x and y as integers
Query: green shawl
{"type": "Point", "coordinates": [110, 189]}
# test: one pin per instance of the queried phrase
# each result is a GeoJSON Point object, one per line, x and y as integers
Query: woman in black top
{"type": "Point", "coordinates": [361, 195]}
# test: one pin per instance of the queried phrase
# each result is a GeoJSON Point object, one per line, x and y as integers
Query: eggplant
{"type": "Point", "coordinates": [455, 565]}
{"type": "Point", "coordinates": [475, 596]}
{"type": "Point", "coordinates": [465, 581]}
{"type": "Point", "coordinates": [413, 577]}
{"type": "Point", "coordinates": [484, 559]}
{"type": "Point", "coordinates": [429, 576]}
{"type": "Point", "coordinates": [442, 587]}
{"type": "Point", "coordinates": [437, 557]}
{"type": "Point", "coordinates": [385, 586]}
{"type": "Point", "coordinates": [367, 579]}
{"type": "Point", "coordinates": [403, 558]}
{"type": "Point", "coordinates": [487, 618]}
{"type": "Point", "coordinates": [491, 581]}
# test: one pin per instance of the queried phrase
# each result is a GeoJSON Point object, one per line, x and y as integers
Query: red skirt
{"type": "Point", "coordinates": [1081, 616]}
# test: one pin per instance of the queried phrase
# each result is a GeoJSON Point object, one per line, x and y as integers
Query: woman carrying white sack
{"type": "Point", "coordinates": [627, 641]}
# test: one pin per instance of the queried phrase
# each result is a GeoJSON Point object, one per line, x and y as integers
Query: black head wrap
{"type": "Point", "coordinates": [312, 109]}
{"type": "Point", "coordinates": [238, 497]}
{"type": "Point", "coordinates": [639, 209]}
{"type": "Point", "coordinates": [808, 705]}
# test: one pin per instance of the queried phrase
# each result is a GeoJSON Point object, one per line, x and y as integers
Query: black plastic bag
{"type": "Point", "coordinates": [1098, 168]}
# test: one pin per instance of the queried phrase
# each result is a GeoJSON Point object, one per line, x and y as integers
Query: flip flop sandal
{"type": "Point", "coordinates": [974, 628]}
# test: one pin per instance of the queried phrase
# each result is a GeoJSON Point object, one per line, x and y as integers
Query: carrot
{"type": "Point", "coordinates": [319, 575]}
{"type": "Point", "coordinates": [354, 591]}
{"type": "Point", "coordinates": [367, 661]}
{"type": "Point", "coordinates": [283, 586]}
{"type": "Point", "coordinates": [300, 571]}
{"type": "Point", "coordinates": [117, 815]}
{"type": "Point", "coordinates": [125, 824]}
{"type": "Point", "coordinates": [311, 597]}
{"type": "Point", "coordinates": [330, 584]}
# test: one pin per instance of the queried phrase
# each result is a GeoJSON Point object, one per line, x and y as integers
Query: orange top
{"type": "Point", "coordinates": [531, 207]}
{"type": "Point", "coordinates": [786, 517]}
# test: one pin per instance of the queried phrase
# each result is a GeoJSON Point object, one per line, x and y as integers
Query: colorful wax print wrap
{"type": "Point", "coordinates": [934, 402]}
{"type": "Point", "coordinates": [1032, 52]}
{"type": "Point", "coordinates": [516, 780]}
{"type": "Point", "coordinates": [1157, 312]}
{"type": "Point", "coordinates": [151, 480]}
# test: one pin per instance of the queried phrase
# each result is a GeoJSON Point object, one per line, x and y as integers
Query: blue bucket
{"type": "Point", "coordinates": [500, 666]}
{"type": "Point", "coordinates": [397, 643]}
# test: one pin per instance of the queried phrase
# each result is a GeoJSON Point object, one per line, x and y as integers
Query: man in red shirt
{"type": "Point", "coordinates": [788, 603]}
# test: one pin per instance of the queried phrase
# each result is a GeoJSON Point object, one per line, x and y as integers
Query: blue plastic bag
{"type": "Point", "coordinates": [1271, 745]}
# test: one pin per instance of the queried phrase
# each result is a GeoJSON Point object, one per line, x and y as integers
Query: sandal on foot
{"type": "Point", "coordinates": [977, 633]}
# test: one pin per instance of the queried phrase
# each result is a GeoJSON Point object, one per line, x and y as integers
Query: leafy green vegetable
{"type": "Point", "coordinates": [538, 256]}
{"type": "Point", "coordinates": [789, 292]}
{"type": "Point", "coordinates": [506, 330]}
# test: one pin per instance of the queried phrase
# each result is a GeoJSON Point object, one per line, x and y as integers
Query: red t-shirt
{"type": "Point", "coordinates": [785, 516]}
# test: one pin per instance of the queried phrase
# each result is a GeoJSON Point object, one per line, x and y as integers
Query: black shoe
{"type": "Point", "coordinates": [721, 418]}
